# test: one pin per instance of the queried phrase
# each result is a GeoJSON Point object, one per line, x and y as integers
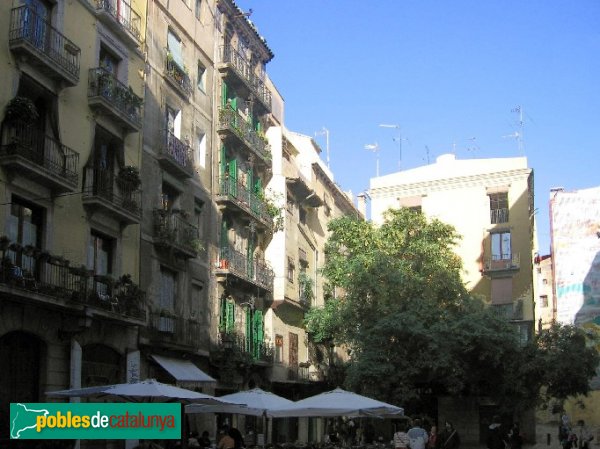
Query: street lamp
{"type": "Point", "coordinates": [374, 147]}
{"type": "Point", "coordinates": [395, 139]}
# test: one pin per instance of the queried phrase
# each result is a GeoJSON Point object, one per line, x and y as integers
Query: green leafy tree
{"type": "Point", "coordinates": [409, 324]}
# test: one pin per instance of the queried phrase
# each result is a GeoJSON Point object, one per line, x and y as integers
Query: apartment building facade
{"type": "Point", "coordinates": [178, 212]}
{"type": "Point", "coordinates": [70, 154]}
{"type": "Point", "coordinates": [490, 203]}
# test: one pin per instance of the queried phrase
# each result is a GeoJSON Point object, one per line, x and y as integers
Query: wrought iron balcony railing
{"type": "Point", "coordinates": [247, 200]}
{"type": "Point", "coordinates": [115, 98]}
{"type": "Point", "coordinates": [176, 156]}
{"type": "Point", "coordinates": [121, 12]}
{"type": "Point", "coordinates": [34, 270]}
{"type": "Point", "coordinates": [499, 215]}
{"type": "Point", "coordinates": [100, 189]}
{"type": "Point", "coordinates": [502, 262]}
{"type": "Point", "coordinates": [244, 71]}
{"type": "Point", "coordinates": [32, 33]}
{"type": "Point", "coordinates": [250, 269]}
{"type": "Point", "coordinates": [236, 343]}
{"type": "Point", "coordinates": [44, 157]}
{"type": "Point", "coordinates": [510, 311]}
{"type": "Point", "coordinates": [178, 77]}
{"type": "Point", "coordinates": [231, 120]}
{"type": "Point", "coordinates": [177, 330]}
{"type": "Point", "coordinates": [173, 231]}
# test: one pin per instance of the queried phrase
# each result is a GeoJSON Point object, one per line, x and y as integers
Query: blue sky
{"type": "Point", "coordinates": [446, 72]}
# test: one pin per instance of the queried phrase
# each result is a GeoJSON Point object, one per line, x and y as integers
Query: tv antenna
{"type": "Point", "coordinates": [518, 134]}
{"type": "Point", "coordinates": [324, 132]}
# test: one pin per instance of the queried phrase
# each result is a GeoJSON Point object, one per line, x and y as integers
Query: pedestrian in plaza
{"type": "Point", "coordinates": [449, 438]}
{"type": "Point", "coordinates": [205, 440]}
{"type": "Point", "coordinates": [433, 438]}
{"type": "Point", "coordinates": [417, 435]}
{"type": "Point", "coordinates": [237, 438]}
{"type": "Point", "coordinates": [496, 438]}
{"type": "Point", "coordinates": [584, 436]}
{"type": "Point", "coordinates": [225, 440]}
{"type": "Point", "coordinates": [515, 439]}
{"type": "Point", "coordinates": [401, 440]}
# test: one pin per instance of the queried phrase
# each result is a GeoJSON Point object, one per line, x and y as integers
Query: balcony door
{"type": "Point", "coordinates": [501, 248]}
{"type": "Point", "coordinates": [37, 18]}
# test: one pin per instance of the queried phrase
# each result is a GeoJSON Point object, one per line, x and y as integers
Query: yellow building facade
{"type": "Point", "coordinates": [71, 107]}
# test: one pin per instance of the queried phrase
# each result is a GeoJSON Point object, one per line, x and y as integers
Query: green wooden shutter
{"type": "Point", "coordinates": [223, 94]}
{"type": "Point", "coordinates": [230, 320]}
{"type": "Point", "coordinates": [257, 333]}
{"type": "Point", "coordinates": [234, 103]}
{"type": "Point", "coordinates": [258, 186]}
{"type": "Point", "coordinates": [223, 315]}
{"type": "Point", "coordinates": [233, 177]}
{"type": "Point", "coordinates": [222, 163]}
{"type": "Point", "coordinates": [224, 238]}
{"type": "Point", "coordinates": [249, 326]}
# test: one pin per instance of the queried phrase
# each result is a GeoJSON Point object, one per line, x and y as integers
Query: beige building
{"type": "Point", "coordinates": [296, 254]}
{"type": "Point", "coordinates": [545, 303]}
{"type": "Point", "coordinates": [490, 203]}
{"type": "Point", "coordinates": [178, 212]}
{"type": "Point", "coordinates": [70, 102]}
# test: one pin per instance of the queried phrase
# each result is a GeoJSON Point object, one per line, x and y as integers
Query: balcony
{"type": "Point", "coordinates": [101, 193]}
{"type": "Point", "coordinates": [499, 216]}
{"type": "Point", "coordinates": [502, 263]}
{"type": "Point", "coordinates": [236, 346]}
{"type": "Point", "coordinates": [233, 192]}
{"type": "Point", "coordinates": [176, 157]}
{"type": "Point", "coordinates": [233, 63]}
{"type": "Point", "coordinates": [108, 95]}
{"type": "Point", "coordinates": [232, 124]}
{"type": "Point", "coordinates": [118, 16]}
{"type": "Point", "coordinates": [178, 78]}
{"type": "Point", "coordinates": [33, 38]}
{"type": "Point", "coordinates": [253, 271]}
{"type": "Point", "coordinates": [174, 233]}
{"type": "Point", "coordinates": [510, 311]}
{"type": "Point", "coordinates": [35, 274]}
{"type": "Point", "coordinates": [28, 151]}
{"type": "Point", "coordinates": [168, 328]}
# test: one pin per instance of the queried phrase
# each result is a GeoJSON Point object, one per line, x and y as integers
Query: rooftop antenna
{"type": "Point", "coordinates": [398, 139]}
{"type": "Point", "coordinates": [324, 131]}
{"type": "Point", "coordinates": [518, 135]}
{"type": "Point", "coordinates": [427, 153]}
{"type": "Point", "coordinates": [374, 147]}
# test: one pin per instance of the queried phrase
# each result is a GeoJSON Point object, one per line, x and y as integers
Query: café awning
{"type": "Point", "coordinates": [184, 371]}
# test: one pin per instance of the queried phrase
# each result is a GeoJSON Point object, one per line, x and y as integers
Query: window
{"type": "Point", "coordinates": [278, 348]}
{"type": "Point", "coordinates": [100, 253]}
{"type": "Point", "coordinates": [174, 121]}
{"type": "Point", "coordinates": [175, 48]}
{"type": "Point", "coordinates": [201, 77]}
{"type": "Point", "coordinates": [25, 227]}
{"type": "Point", "coordinates": [544, 300]}
{"type": "Point", "coordinates": [198, 9]}
{"type": "Point", "coordinates": [501, 246]}
{"type": "Point", "coordinates": [100, 261]}
{"type": "Point", "coordinates": [108, 61]}
{"type": "Point", "coordinates": [201, 149]}
{"type": "Point", "coordinates": [291, 271]}
{"type": "Point", "coordinates": [502, 291]}
{"type": "Point", "coordinates": [498, 207]}
{"type": "Point", "coordinates": [25, 223]}
{"type": "Point", "coordinates": [168, 288]}
{"type": "Point", "coordinates": [169, 197]}
{"type": "Point", "coordinates": [415, 209]}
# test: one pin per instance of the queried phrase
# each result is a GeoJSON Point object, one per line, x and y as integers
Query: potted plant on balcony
{"type": "Point", "coordinates": [128, 178]}
{"type": "Point", "coordinates": [21, 109]}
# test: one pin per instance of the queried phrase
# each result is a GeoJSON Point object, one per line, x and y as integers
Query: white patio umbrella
{"type": "Point", "coordinates": [148, 390]}
{"type": "Point", "coordinates": [256, 402]}
{"type": "Point", "coordinates": [338, 402]}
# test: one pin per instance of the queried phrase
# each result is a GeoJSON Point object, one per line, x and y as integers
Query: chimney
{"type": "Point", "coordinates": [361, 199]}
